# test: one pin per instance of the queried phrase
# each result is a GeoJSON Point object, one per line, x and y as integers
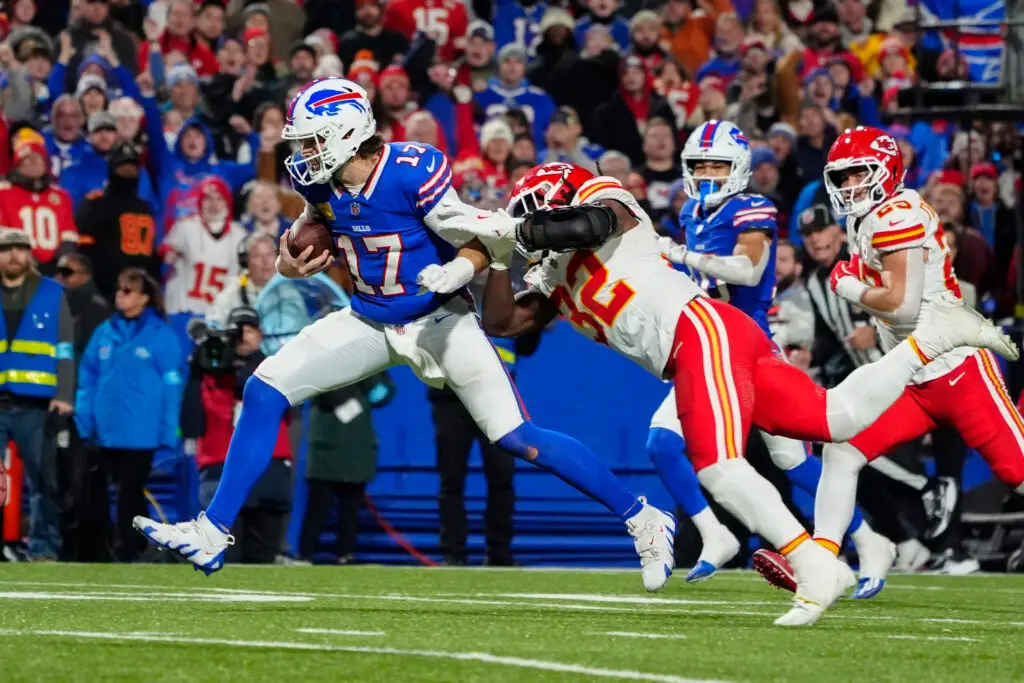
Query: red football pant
{"type": "Point", "coordinates": [973, 399]}
{"type": "Point", "coordinates": [728, 377]}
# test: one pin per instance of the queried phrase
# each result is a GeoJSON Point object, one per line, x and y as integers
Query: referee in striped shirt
{"type": "Point", "coordinates": [844, 335]}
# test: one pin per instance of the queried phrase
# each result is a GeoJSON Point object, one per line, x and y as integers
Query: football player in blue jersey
{"type": "Point", "coordinates": [730, 242]}
{"type": "Point", "coordinates": [400, 224]}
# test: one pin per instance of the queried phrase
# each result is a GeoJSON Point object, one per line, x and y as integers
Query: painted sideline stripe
{"type": "Point", "coordinates": [482, 657]}
{"type": "Point", "coordinates": [154, 597]}
{"type": "Point", "coordinates": [652, 636]}
{"type": "Point", "coordinates": [340, 632]}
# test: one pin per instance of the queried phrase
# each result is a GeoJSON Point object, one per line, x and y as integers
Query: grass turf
{"type": "Point", "coordinates": [150, 622]}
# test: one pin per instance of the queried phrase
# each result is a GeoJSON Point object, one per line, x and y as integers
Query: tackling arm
{"type": "Point", "coordinates": [458, 223]}
{"type": "Point", "coordinates": [506, 315]}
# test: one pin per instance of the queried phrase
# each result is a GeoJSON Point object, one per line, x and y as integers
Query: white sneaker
{"type": "Point", "coordinates": [946, 325]}
{"type": "Point", "coordinates": [718, 548]}
{"type": "Point", "coordinates": [821, 580]}
{"type": "Point", "coordinates": [198, 541]}
{"type": "Point", "coordinates": [653, 533]}
{"type": "Point", "coordinates": [911, 556]}
{"type": "Point", "coordinates": [876, 554]}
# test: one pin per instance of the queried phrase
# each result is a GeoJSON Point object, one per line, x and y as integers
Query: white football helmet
{"type": "Point", "coordinates": [328, 119]}
{"type": "Point", "coordinates": [716, 141]}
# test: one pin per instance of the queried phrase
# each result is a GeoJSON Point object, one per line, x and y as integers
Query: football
{"type": "Point", "coordinates": [312, 233]}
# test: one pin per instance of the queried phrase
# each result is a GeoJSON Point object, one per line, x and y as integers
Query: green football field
{"type": "Point", "coordinates": [169, 623]}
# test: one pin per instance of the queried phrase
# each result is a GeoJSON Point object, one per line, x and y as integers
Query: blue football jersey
{"type": "Point", "coordinates": [382, 233]}
{"type": "Point", "coordinates": [516, 23]}
{"type": "Point", "coordinates": [718, 234]}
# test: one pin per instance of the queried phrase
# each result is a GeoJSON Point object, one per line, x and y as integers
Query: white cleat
{"type": "Point", "coordinates": [653, 533]}
{"type": "Point", "coordinates": [821, 580]}
{"type": "Point", "coordinates": [198, 541]}
{"type": "Point", "coordinates": [877, 554]}
{"type": "Point", "coordinates": [718, 548]}
{"type": "Point", "coordinates": [911, 556]}
{"type": "Point", "coordinates": [946, 325]}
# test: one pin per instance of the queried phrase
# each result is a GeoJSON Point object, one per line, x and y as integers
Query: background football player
{"type": "Point", "coordinates": [900, 269]}
{"type": "Point", "coordinates": [730, 245]}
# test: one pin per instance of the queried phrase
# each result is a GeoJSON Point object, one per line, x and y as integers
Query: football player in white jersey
{"type": "Point", "coordinates": [900, 270]}
{"type": "Point", "coordinates": [607, 275]}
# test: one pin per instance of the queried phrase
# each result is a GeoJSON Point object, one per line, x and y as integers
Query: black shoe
{"type": "Point", "coordinates": [500, 561]}
{"type": "Point", "coordinates": [939, 499]}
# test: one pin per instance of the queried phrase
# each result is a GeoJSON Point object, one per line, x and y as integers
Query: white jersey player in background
{"type": "Point", "coordinates": [900, 270]}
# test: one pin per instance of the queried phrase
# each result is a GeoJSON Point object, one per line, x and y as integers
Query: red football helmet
{"type": "Point", "coordinates": [863, 149]}
{"type": "Point", "coordinates": [545, 186]}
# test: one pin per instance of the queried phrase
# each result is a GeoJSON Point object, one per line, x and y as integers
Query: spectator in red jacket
{"type": "Point", "coordinates": [178, 37]}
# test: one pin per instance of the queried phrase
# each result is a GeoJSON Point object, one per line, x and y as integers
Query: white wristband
{"type": "Point", "coordinates": [851, 289]}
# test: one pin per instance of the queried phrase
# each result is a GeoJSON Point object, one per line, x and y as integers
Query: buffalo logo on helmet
{"type": "Point", "coordinates": [329, 102]}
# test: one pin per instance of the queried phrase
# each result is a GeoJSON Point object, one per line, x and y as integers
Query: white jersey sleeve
{"type": "Point", "coordinates": [906, 221]}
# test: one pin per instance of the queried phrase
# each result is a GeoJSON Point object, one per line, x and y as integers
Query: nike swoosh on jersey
{"type": "Point", "coordinates": [896, 222]}
{"type": "Point", "coordinates": [758, 203]}
{"type": "Point", "coordinates": [430, 168]}
{"type": "Point", "coordinates": [439, 318]}
{"type": "Point", "coordinates": [956, 379]}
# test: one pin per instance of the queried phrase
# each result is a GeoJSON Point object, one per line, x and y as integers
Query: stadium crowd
{"type": "Point", "coordinates": [141, 148]}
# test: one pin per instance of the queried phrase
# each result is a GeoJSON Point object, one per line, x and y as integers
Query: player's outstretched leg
{"type": "Point", "coordinates": [653, 531]}
{"type": "Point", "coordinates": [804, 471]}
{"type": "Point", "coordinates": [335, 351]}
{"type": "Point", "coordinates": [820, 578]}
{"type": "Point", "coordinates": [205, 540]}
{"type": "Point", "coordinates": [667, 450]}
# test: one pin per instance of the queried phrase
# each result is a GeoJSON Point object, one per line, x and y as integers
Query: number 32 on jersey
{"type": "Point", "coordinates": [591, 313]}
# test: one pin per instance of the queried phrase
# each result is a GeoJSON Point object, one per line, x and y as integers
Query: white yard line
{"type": "Point", "coordinates": [340, 632]}
{"type": "Point", "coordinates": [482, 657]}
{"type": "Point", "coordinates": [957, 639]}
{"type": "Point", "coordinates": [153, 597]}
{"type": "Point", "coordinates": [651, 636]}
{"type": "Point", "coordinates": [627, 599]}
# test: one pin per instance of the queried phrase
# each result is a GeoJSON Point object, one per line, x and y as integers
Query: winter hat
{"type": "Point", "coordinates": [90, 82]}
{"type": "Point", "coordinates": [762, 155]}
{"type": "Point", "coordinates": [363, 64]}
{"type": "Point", "coordinates": [784, 129]}
{"type": "Point", "coordinates": [495, 129]}
{"type": "Point", "coordinates": [181, 72]}
{"type": "Point", "coordinates": [480, 29]}
{"type": "Point", "coordinates": [101, 120]}
{"type": "Point", "coordinates": [513, 50]}
{"type": "Point", "coordinates": [394, 71]}
{"type": "Point", "coordinates": [644, 16]}
{"type": "Point", "coordinates": [554, 16]}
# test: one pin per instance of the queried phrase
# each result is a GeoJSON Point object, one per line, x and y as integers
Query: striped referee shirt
{"type": "Point", "coordinates": [835, 319]}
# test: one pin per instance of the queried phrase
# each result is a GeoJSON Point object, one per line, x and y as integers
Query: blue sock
{"type": "Point", "coordinates": [668, 453]}
{"type": "Point", "coordinates": [805, 477]}
{"type": "Point", "coordinates": [573, 463]}
{"type": "Point", "coordinates": [250, 451]}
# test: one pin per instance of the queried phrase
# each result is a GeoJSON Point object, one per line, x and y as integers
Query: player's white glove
{"type": "Point", "coordinates": [448, 278]}
{"type": "Point", "coordinates": [845, 280]}
{"type": "Point", "coordinates": [675, 252]}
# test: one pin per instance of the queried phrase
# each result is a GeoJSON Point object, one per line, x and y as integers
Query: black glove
{"type": "Point", "coordinates": [567, 228]}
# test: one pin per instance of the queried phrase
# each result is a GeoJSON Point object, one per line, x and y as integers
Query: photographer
{"type": "Point", "coordinates": [256, 258]}
{"type": "Point", "coordinates": [222, 362]}
{"type": "Point", "coordinates": [129, 397]}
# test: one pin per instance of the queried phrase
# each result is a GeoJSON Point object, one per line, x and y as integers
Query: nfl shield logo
{"type": "Point", "coordinates": [355, 209]}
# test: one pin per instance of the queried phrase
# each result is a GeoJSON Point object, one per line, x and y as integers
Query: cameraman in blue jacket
{"type": "Point", "coordinates": [129, 396]}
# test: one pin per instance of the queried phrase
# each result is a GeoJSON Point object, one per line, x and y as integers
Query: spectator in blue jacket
{"type": "Point", "coordinates": [177, 167]}
{"type": "Point", "coordinates": [64, 140]}
{"type": "Point", "coordinates": [129, 396]}
{"type": "Point", "coordinates": [604, 12]}
{"type": "Point", "coordinates": [511, 90]}
{"type": "Point", "coordinates": [90, 172]}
